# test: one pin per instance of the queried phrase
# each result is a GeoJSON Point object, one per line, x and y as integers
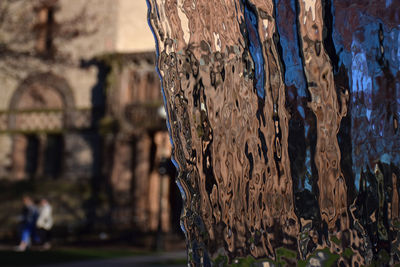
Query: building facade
{"type": "Point", "coordinates": [80, 100]}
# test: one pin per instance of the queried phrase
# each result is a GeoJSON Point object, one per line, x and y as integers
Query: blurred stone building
{"type": "Point", "coordinates": [80, 100]}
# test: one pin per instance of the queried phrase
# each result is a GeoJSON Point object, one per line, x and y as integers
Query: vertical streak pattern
{"type": "Point", "coordinates": [267, 169]}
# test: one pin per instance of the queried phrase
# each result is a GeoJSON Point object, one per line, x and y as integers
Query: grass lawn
{"type": "Point", "coordinates": [62, 255]}
{"type": "Point", "coordinates": [180, 262]}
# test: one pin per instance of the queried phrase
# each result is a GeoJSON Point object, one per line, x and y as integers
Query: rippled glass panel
{"type": "Point", "coordinates": [283, 115]}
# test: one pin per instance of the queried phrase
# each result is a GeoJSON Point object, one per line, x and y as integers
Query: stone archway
{"type": "Point", "coordinates": [42, 91]}
{"type": "Point", "coordinates": [43, 103]}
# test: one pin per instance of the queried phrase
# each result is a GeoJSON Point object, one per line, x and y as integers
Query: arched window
{"type": "Point", "coordinates": [40, 110]}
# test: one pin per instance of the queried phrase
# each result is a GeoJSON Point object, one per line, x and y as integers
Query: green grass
{"type": "Point", "coordinates": [63, 255]}
{"type": "Point", "coordinates": [169, 262]}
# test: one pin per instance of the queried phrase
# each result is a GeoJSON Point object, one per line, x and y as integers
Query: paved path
{"type": "Point", "coordinates": [162, 259]}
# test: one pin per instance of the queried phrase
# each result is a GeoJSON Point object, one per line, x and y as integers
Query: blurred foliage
{"type": "Point", "coordinates": [107, 125]}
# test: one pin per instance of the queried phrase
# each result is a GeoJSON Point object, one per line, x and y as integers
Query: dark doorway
{"type": "Point", "coordinates": [32, 152]}
{"type": "Point", "coordinates": [53, 155]}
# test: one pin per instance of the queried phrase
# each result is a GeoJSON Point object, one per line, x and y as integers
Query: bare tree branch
{"type": "Point", "coordinates": [19, 32]}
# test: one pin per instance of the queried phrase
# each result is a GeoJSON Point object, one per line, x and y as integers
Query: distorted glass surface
{"type": "Point", "coordinates": [284, 120]}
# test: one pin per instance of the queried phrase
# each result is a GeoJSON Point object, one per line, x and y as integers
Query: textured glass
{"type": "Point", "coordinates": [283, 115]}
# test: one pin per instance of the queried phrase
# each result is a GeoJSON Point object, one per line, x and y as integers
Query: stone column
{"type": "Point", "coordinates": [5, 155]}
{"type": "Point", "coordinates": [120, 180]}
{"type": "Point", "coordinates": [141, 181]}
{"type": "Point", "coordinates": [159, 186]}
{"type": "Point", "coordinates": [165, 205]}
{"type": "Point", "coordinates": [20, 143]}
{"type": "Point", "coordinates": [154, 200]}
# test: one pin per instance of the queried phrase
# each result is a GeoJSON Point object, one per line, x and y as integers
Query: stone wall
{"type": "Point", "coordinates": [85, 29]}
{"type": "Point", "coordinates": [5, 154]}
{"type": "Point", "coordinates": [133, 33]}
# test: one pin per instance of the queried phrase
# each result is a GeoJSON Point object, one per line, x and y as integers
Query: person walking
{"type": "Point", "coordinates": [45, 223]}
{"type": "Point", "coordinates": [29, 218]}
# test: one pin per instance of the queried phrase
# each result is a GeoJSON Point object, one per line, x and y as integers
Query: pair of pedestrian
{"type": "Point", "coordinates": [36, 223]}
